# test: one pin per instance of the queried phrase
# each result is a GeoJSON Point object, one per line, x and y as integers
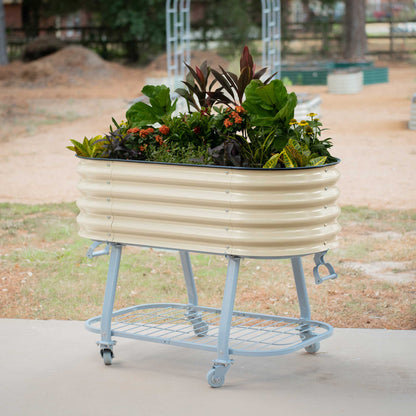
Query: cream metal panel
{"type": "Point", "coordinates": [220, 210]}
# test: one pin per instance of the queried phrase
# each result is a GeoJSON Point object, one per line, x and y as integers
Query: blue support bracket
{"type": "Point", "coordinates": [91, 253]}
{"type": "Point", "coordinates": [319, 261]}
{"type": "Point", "coordinates": [106, 344]}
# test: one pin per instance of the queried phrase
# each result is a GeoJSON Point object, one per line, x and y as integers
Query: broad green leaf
{"type": "Point", "coordinates": [288, 110]}
{"type": "Point", "coordinates": [141, 114]}
{"type": "Point", "coordinates": [318, 161]}
{"type": "Point", "coordinates": [272, 162]}
{"type": "Point", "coordinates": [295, 144]}
{"type": "Point", "coordinates": [159, 95]}
{"type": "Point", "coordinates": [274, 94]}
{"type": "Point", "coordinates": [269, 104]}
{"type": "Point", "coordinates": [287, 159]}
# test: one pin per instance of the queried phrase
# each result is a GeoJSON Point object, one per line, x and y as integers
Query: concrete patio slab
{"type": "Point", "coordinates": [54, 368]}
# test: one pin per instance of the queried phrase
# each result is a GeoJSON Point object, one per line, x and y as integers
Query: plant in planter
{"type": "Point", "coordinates": [232, 120]}
{"type": "Point", "coordinates": [235, 174]}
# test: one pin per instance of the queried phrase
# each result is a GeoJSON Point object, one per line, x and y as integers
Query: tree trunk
{"type": "Point", "coordinates": [354, 30]}
{"type": "Point", "coordinates": [3, 43]}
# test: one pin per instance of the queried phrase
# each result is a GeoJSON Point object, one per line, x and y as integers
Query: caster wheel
{"type": "Point", "coordinates": [107, 356]}
{"type": "Point", "coordinates": [201, 329]}
{"type": "Point", "coordinates": [312, 349]}
{"type": "Point", "coordinates": [215, 380]}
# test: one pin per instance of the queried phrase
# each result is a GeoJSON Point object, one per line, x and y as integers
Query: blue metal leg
{"type": "Point", "coordinates": [305, 310]}
{"type": "Point", "coordinates": [216, 376]}
{"type": "Point", "coordinates": [106, 344]}
{"type": "Point", "coordinates": [189, 277]}
{"type": "Point", "coordinates": [297, 267]}
{"type": "Point", "coordinates": [195, 317]}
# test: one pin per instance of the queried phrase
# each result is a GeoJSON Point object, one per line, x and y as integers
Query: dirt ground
{"type": "Point", "coordinates": [74, 93]}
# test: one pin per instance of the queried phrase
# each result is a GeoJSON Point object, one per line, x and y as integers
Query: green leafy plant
{"type": "Point", "coordinates": [234, 86]}
{"type": "Point", "coordinates": [88, 147]}
{"type": "Point", "coordinates": [309, 132]}
{"type": "Point", "coordinates": [160, 109]}
{"type": "Point", "coordinates": [304, 148]}
{"type": "Point", "coordinates": [198, 92]}
{"type": "Point", "coordinates": [295, 155]}
{"type": "Point", "coordinates": [232, 120]}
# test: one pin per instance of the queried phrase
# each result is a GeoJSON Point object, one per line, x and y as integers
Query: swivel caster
{"type": "Point", "coordinates": [214, 379]}
{"type": "Point", "coordinates": [201, 328]}
{"type": "Point", "coordinates": [313, 348]}
{"type": "Point", "coordinates": [107, 355]}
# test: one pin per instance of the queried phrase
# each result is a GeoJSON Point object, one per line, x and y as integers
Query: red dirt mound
{"type": "Point", "coordinates": [71, 65]}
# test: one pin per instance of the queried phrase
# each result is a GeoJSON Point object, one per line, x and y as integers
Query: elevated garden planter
{"type": "Point", "coordinates": [345, 82]}
{"type": "Point", "coordinates": [220, 210]}
{"type": "Point", "coordinates": [236, 212]}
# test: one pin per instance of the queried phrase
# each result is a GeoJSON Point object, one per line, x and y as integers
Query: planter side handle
{"type": "Point", "coordinates": [319, 261]}
{"type": "Point", "coordinates": [94, 253]}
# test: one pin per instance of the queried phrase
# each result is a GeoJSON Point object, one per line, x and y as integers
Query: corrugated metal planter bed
{"type": "Point", "coordinates": [236, 212]}
{"type": "Point", "coordinates": [244, 212]}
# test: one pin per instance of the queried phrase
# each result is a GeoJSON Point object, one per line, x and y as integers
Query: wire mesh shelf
{"type": "Point", "coordinates": [198, 327]}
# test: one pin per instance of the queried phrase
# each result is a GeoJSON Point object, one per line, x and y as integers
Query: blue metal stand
{"type": "Point", "coordinates": [195, 317]}
{"type": "Point", "coordinates": [106, 343]}
{"type": "Point", "coordinates": [216, 376]}
{"type": "Point", "coordinates": [224, 330]}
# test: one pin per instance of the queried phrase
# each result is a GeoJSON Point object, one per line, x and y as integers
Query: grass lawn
{"type": "Point", "coordinates": [45, 274]}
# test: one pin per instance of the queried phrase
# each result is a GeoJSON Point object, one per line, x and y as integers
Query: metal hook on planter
{"type": "Point", "coordinates": [92, 253]}
{"type": "Point", "coordinates": [319, 261]}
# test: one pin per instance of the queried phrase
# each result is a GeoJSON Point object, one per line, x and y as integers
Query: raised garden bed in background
{"type": "Point", "coordinates": [317, 74]}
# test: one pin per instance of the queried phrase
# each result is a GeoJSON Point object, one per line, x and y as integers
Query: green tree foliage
{"type": "Point", "coordinates": [3, 50]}
{"type": "Point", "coordinates": [236, 19]}
{"type": "Point", "coordinates": [139, 23]}
{"type": "Point", "coordinates": [34, 10]}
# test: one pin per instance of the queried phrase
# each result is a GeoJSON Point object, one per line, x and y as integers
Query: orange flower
{"type": "Point", "coordinates": [239, 109]}
{"type": "Point", "coordinates": [146, 132]}
{"type": "Point", "coordinates": [133, 130]}
{"type": "Point", "coordinates": [228, 122]}
{"type": "Point", "coordinates": [238, 119]}
{"type": "Point", "coordinates": [159, 139]}
{"type": "Point", "coordinates": [164, 130]}
{"type": "Point", "coordinates": [141, 148]}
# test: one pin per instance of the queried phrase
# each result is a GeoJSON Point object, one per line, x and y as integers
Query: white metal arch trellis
{"type": "Point", "coordinates": [271, 35]}
{"type": "Point", "coordinates": [178, 37]}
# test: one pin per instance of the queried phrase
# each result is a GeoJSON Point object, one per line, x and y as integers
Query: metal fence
{"type": "Point", "coordinates": [321, 38]}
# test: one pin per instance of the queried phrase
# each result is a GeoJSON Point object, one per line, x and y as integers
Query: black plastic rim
{"type": "Point", "coordinates": [208, 166]}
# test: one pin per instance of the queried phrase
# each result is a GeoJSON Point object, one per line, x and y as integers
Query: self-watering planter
{"type": "Point", "coordinates": [236, 212]}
